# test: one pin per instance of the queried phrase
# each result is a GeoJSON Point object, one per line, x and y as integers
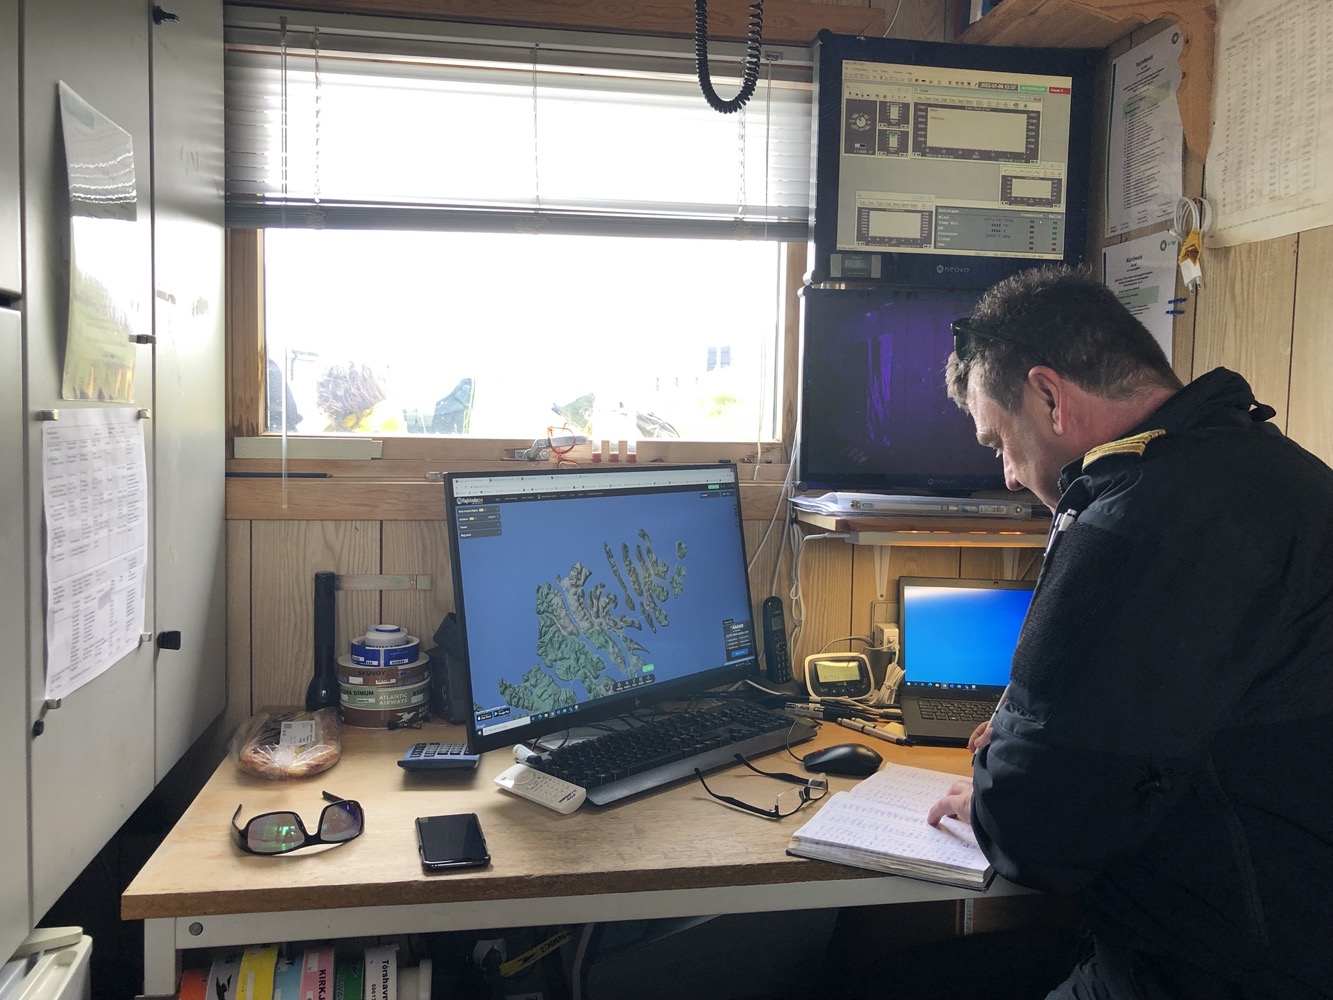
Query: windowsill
{"type": "Point", "coordinates": [270, 446]}
{"type": "Point", "coordinates": [409, 488]}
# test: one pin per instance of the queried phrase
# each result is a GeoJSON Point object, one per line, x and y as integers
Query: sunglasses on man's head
{"type": "Point", "coordinates": [965, 336]}
{"type": "Point", "coordinates": [282, 831]}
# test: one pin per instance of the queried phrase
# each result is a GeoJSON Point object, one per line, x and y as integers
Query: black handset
{"type": "Point", "coordinates": [777, 659]}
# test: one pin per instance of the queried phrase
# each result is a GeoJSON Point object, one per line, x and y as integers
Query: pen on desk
{"type": "Point", "coordinates": [831, 712]}
{"type": "Point", "coordinates": [809, 711]}
{"type": "Point", "coordinates": [875, 731]}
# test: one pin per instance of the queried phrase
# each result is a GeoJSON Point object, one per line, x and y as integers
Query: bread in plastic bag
{"type": "Point", "coordinates": [283, 744]}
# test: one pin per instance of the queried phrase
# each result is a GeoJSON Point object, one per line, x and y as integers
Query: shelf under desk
{"type": "Point", "coordinates": [670, 853]}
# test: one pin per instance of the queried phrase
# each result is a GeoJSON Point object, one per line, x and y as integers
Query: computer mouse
{"type": "Point", "coordinates": [852, 759]}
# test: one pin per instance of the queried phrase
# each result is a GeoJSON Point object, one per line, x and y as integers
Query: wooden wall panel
{"type": "Point", "coordinates": [769, 558]}
{"type": "Point", "coordinates": [1310, 411]}
{"type": "Point", "coordinates": [979, 563]}
{"type": "Point", "coordinates": [825, 586]}
{"type": "Point", "coordinates": [903, 560]}
{"type": "Point", "coordinates": [271, 567]}
{"type": "Point", "coordinates": [1244, 316]}
{"type": "Point", "coordinates": [924, 19]}
{"type": "Point", "coordinates": [288, 554]}
{"type": "Point", "coordinates": [415, 547]}
{"type": "Point", "coordinates": [239, 679]}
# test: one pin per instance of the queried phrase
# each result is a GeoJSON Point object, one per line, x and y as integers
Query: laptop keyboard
{"type": "Point", "coordinates": [951, 710]}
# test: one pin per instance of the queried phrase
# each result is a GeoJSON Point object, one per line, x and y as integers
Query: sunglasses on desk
{"type": "Point", "coordinates": [283, 831]}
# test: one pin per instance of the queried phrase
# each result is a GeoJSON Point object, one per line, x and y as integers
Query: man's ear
{"type": "Point", "coordinates": [1052, 393]}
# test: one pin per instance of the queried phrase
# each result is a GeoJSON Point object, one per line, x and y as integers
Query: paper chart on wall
{"type": "Point", "coordinates": [1268, 171]}
{"type": "Point", "coordinates": [1142, 274]}
{"type": "Point", "coordinates": [1146, 142]}
{"type": "Point", "coordinates": [95, 492]}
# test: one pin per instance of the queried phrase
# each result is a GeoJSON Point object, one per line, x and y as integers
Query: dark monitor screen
{"type": "Point", "coordinates": [874, 413]}
{"type": "Point", "coordinates": [947, 164]}
{"type": "Point", "coordinates": [585, 593]}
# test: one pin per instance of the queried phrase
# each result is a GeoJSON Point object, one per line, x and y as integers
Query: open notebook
{"type": "Point", "coordinates": [880, 824]}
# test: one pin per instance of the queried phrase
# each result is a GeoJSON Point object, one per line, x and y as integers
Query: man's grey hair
{"type": "Point", "coordinates": [1065, 318]}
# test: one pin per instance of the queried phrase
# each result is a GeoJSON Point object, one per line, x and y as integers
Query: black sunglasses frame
{"type": "Point", "coordinates": [963, 330]}
{"type": "Point", "coordinates": [809, 787]}
{"type": "Point", "coordinates": [308, 839]}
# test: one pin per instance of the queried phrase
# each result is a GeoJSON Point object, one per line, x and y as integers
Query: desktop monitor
{"type": "Point", "coordinates": [946, 164]}
{"type": "Point", "coordinates": [583, 594]}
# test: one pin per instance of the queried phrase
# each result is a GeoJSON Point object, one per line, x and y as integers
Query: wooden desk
{"type": "Point", "coordinates": [670, 853]}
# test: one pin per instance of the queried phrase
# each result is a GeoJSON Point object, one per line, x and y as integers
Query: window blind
{"type": "Point", "coordinates": [339, 125]}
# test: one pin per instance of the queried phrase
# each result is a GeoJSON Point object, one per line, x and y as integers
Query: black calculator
{"type": "Point", "coordinates": [438, 757]}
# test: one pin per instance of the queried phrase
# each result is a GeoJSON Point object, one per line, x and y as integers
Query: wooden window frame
{"type": "Point", "coordinates": [422, 458]}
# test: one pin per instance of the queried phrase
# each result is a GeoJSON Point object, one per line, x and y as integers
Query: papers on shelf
{"type": "Point", "coordinates": [893, 505]}
{"type": "Point", "coordinates": [881, 825]}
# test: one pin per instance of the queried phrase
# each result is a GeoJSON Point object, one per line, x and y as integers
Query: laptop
{"type": "Point", "coordinates": [958, 639]}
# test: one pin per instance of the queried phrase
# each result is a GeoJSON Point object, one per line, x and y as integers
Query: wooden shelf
{"type": "Point", "coordinates": [993, 532]}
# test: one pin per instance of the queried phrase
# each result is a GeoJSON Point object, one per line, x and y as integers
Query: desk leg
{"type": "Point", "coordinates": [161, 962]}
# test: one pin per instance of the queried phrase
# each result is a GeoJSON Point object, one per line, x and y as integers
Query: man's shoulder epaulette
{"type": "Point", "coordinates": [1132, 445]}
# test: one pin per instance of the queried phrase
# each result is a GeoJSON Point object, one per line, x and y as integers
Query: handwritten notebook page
{"type": "Point", "coordinates": [881, 824]}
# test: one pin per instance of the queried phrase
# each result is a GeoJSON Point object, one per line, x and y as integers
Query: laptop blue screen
{"type": "Point", "coordinates": [961, 634]}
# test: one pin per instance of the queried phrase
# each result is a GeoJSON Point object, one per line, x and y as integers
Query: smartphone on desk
{"type": "Point", "coordinates": [449, 842]}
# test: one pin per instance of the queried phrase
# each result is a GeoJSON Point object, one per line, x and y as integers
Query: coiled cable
{"type": "Point", "coordinates": [750, 64]}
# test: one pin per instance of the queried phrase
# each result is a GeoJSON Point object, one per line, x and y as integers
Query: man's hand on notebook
{"type": "Point", "coordinates": [958, 803]}
{"type": "Point", "coordinates": [980, 737]}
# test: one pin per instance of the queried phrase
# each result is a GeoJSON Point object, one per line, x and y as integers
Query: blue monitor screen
{"type": "Point", "coordinates": [961, 634]}
{"type": "Point", "coordinates": [585, 593]}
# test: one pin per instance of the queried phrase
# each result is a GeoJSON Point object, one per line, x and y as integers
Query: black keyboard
{"type": "Point", "coordinates": [668, 749]}
{"type": "Point", "coordinates": [965, 711]}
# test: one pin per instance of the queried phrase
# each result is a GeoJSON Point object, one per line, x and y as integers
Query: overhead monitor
{"type": "Point", "coordinates": [947, 165]}
{"type": "Point", "coordinates": [874, 412]}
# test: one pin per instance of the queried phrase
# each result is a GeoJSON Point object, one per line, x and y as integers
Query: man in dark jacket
{"type": "Point", "coordinates": [1160, 749]}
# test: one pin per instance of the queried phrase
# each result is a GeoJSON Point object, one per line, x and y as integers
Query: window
{"type": "Point", "coordinates": [487, 239]}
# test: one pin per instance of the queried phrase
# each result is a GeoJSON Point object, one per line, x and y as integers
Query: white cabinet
{"type": "Point", "coordinates": [100, 753]}
{"type": "Point", "coordinates": [93, 762]}
{"type": "Point", "coordinates": [9, 151]}
{"type": "Point", "coordinates": [188, 402]}
{"type": "Point", "coordinates": [15, 919]}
